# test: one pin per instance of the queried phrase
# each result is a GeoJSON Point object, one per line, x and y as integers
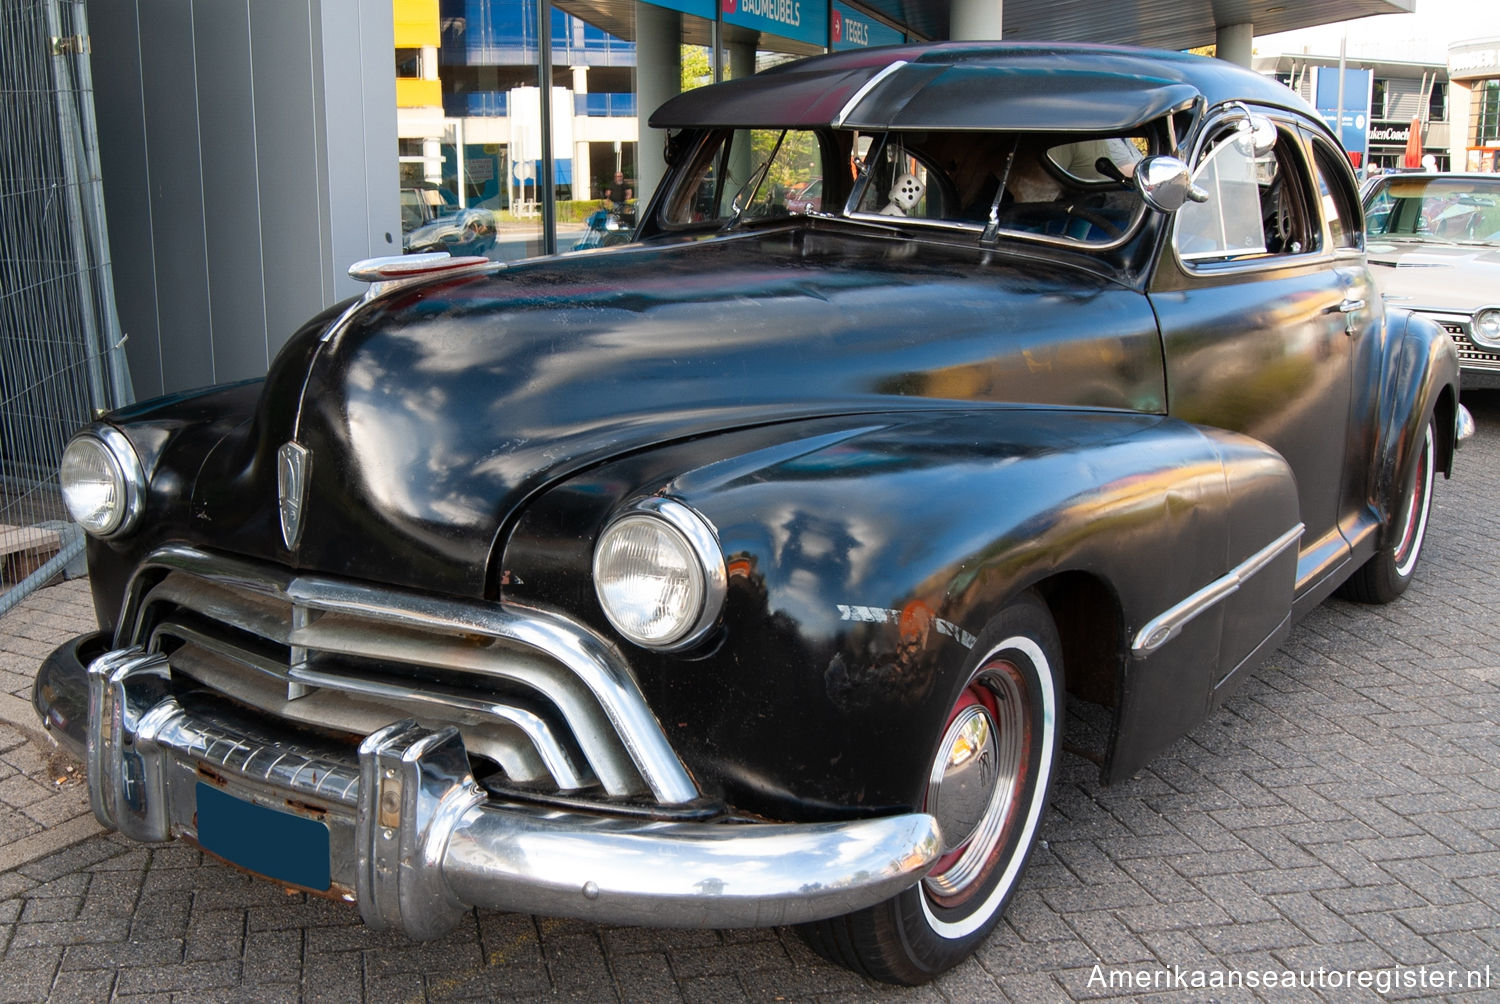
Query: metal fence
{"type": "Point", "coordinates": [61, 357]}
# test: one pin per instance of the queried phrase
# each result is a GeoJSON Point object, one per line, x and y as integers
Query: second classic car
{"type": "Point", "coordinates": [742, 575]}
{"type": "Point", "coordinates": [1435, 250]}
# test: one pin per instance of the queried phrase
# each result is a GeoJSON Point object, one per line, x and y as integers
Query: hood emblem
{"type": "Point", "coordinates": [293, 465]}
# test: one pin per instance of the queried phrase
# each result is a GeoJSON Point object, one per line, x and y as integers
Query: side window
{"type": "Point", "coordinates": [1336, 196]}
{"type": "Point", "coordinates": [901, 182]}
{"type": "Point", "coordinates": [1256, 202]}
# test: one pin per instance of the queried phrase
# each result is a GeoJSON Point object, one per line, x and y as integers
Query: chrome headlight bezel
{"type": "Point", "coordinates": [127, 481]}
{"type": "Point", "coordinates": [687, 530]}
{"type": "Point", "coordinates": [1486, 318]}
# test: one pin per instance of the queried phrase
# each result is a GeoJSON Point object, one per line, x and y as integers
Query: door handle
{"type": "Point", "coordinates": [1350, 307]}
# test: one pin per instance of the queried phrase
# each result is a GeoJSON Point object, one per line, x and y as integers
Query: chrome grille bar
{"type": "Point", "coordinates": [578, 671]}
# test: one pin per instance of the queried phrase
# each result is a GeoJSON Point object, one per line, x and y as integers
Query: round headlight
{"type": "Point", "coordinates": [659, 574]}
{"type": "Point", "coordinates": [1487, 327]}
{"type": "Point", "coordinates": [101, 482]}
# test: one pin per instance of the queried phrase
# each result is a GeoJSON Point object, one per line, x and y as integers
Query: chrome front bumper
{"type": "Point", "coordinates": [416, 842]}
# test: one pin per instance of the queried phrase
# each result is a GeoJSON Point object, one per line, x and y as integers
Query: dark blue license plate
{"type": "Point", "coordinates": [278, 845]}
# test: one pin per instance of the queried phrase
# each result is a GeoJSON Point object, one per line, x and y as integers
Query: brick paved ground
{"type": "Point", "coordinates": [1342, 812]}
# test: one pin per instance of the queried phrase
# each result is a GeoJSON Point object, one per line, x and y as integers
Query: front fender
{"type": "Point", "coordinates": [864, 560]}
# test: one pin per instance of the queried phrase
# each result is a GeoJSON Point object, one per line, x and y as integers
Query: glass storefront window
{"type": "Point", "coordinates": [473, 110]}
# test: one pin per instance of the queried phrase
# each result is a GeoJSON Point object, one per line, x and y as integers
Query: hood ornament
{"type": "Point", "coordinates": [293, 466]}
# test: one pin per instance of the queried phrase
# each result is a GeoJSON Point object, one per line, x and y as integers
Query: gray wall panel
{"type": "Point", "coordinates": [382, 176]}
{"type": "Point", "coordinates": [231, 188]}
{"type": "Point", "coordinates": [249, 157]}
{"type": "Point", "coordinates": [122, 158]}
{"type": "Point", "coordinates": [176, 177]}
{"type": "Point", "coordinates": [282, 75]}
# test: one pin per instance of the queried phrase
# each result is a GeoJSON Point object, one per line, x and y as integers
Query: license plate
{"type": "Point", "coordinates": [279, 845]}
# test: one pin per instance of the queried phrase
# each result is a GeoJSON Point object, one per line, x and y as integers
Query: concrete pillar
{"type": "Point", "coordinates": [583, 180]}
{"type": "Point", "coordinates": [741, 60]}
{"type": "Point", "coordinates": [658, 76]}
{"type": "Point", "coordinates": [1234, 43]}
{"type": "Point", "coordinates": [975, 20]}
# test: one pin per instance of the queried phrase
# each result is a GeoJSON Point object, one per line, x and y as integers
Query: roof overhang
{"type": "Point", "coordinates": [1162, 24]}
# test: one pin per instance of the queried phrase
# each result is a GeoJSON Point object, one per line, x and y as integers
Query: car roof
{"type": "Point", "coordinates": [967, 85]}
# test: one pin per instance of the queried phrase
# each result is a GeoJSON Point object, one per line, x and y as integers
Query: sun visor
{"type": "Point", "coordinates": [882, 89]}
{"type": "Point", "coordinates": [787, 100]}
{"type": "Point", "coordinates": [1015, 98]}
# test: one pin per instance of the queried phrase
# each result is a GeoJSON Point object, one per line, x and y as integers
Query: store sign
{"type": "Point", "coordinates": [1353, 130]}
{"type": "Point", "coordinates": [697, 8]}
{"type": "Point", "coordinates": [802, 20]}
{"type": "Point", "coordinates": [851, 29]}
{"type": "Point", "coordinates": [1389, 133]}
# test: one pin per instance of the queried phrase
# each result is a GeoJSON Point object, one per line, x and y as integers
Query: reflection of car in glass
{"type": "Point", "coordinates": [424, 204]}
{"type": "Point", "coordinates": [1434, 243]}
{"type": "Point", "coordinates": [744, 575]}
{"type": "Point", "coordinates": [607, 227]}
{"type": "Point", "coordinates": [461, 232]}
{"type": "Point", "coordinates": [806, 197]}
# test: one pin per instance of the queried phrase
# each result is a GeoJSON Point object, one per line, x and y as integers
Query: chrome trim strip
{"type": "Point", "coordinates": [865, 89]}
{"type": "Point", "coordinates": [1169, 624]}
{"type": "Point", "coordinates": [586, 656]}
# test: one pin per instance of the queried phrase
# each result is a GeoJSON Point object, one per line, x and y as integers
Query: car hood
{"type": "Point", "coordinates": [439, 408]}
{"type": "Point", "coordinates": [1420, 275]}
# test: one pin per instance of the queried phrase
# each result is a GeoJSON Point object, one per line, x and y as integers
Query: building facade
{"type": "Point", "coordinates": [1475, 69]}
{"type": "Point", "coordinates": [1383, 101]}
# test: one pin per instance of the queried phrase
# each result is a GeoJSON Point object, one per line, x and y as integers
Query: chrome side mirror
{"type": "Point", "coordinates": [1256, 135]}
{"type": "Point", "coordinates": [1166, 184]}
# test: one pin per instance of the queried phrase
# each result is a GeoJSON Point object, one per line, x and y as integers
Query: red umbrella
{"type": "Point", "coordinates": [1413, 155]}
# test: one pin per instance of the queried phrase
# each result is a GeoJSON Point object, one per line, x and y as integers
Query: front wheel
{"type": "Point", "coordinates": [987, 788]}
{"type": "Point", "coordinates": [1388, 572]}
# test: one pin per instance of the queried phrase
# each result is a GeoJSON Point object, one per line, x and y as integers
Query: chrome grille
{"type": "Point", "coordinates": [1469, 354]}
{"type": "Point", "coordinates": [550, 703]}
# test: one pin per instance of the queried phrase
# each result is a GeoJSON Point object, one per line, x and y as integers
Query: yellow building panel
{"type": "Point", "coordinates": [418, 93]}
{"type": "Point", "coordinates": [416, 23]}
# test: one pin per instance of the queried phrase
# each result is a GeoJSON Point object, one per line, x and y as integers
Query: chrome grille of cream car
{"type": "Point", "coordinates": [1469, 354]}
{"type": "Point", "coordinates": [540, 695]}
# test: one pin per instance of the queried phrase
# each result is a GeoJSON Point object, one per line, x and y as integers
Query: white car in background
{"type": "Point", "coordinates": [1434, 248]}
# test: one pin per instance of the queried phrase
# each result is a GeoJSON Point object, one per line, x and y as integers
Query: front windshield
{"type": "Point", "coordinates": [1457, 210]}
{"type": "Point", "coordinates": [1058, 188]}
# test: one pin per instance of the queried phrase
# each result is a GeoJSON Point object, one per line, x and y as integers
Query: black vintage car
{"type": "Point", "coordinates": [737, 576]}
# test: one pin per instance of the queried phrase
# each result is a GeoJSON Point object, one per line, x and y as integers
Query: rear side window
{"type": "Point", "coordinates": [1336, 197]}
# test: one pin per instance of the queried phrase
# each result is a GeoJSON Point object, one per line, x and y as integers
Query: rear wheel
{"type": "Point", "coordinates": [1388, 572]}
{"type": "Point", "coordinates": [987, 787]}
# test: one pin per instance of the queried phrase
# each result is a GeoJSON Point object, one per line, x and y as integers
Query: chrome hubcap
{"type": "Point", "coordinates": [976, 780]}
